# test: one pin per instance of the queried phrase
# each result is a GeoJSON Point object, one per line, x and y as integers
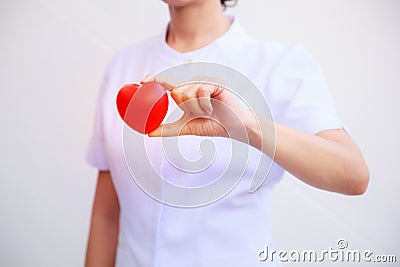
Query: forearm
{"type": "Point", "coordinates": [104, 227]}
{"type": "Point", "coordinates": [103, 240]}
{"type": "Point", "coordinates": [326, 164]}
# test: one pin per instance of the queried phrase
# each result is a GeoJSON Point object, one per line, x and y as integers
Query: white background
{"type": "Point", "coordinates": [52, 57]}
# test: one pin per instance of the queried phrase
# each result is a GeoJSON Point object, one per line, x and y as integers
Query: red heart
{"type": "Point", "coordinates": [142, 107]}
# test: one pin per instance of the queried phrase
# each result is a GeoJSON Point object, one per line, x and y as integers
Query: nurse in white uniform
{"type": "Point", "coordinates": [130, 228]}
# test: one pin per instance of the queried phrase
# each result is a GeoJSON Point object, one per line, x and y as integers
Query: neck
{"type": "Point", "coordinates": [195, 26]}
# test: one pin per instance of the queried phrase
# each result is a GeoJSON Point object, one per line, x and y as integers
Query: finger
{"type": "Point", "coordinates": [217, 80]}
{"type": "Point", "coordinates": [203, 96]}
{"type": "Point", "coordinates": [177, 96]}
{"type": "Point", "coordinates": [199, 79]}
{"type": "Point", "coordinates": [207, 79]}
{"type": "Point", "coordinates": [169, 83]}
{"type": "Point", "coordinates": [149, 77]}
{"type": "Point", "coordinates": [190, 97]}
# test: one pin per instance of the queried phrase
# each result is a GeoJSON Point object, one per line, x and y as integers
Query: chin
{"type": "Point", "coordinates": [181, 3]}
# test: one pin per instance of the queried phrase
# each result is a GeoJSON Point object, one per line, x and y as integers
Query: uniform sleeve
{"type": "Point", "coordinates": [96, 152]}
{"type": "Point", "coordinates": [300, 95]}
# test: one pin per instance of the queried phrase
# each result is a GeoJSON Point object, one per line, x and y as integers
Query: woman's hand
{"type": "Point", "coordinates": [209, 110]}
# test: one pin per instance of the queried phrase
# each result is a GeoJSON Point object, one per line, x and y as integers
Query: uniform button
{"type": "Point", "coordinates": [188, 61]}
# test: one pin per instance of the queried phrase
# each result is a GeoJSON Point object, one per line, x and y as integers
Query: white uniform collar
{"type": "Point", "coordinates": [227, 44]}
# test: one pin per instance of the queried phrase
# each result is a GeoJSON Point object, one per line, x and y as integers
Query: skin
{"type": "Point", "coordinates": [104, 226]}
{"type": "Point", "coordinates": [329, 160]}
{"type": "Point", "coordinates": [185, 33]}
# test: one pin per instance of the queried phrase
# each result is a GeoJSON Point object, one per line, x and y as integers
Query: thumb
{"type": "Point", "coordinates": [170, 129]}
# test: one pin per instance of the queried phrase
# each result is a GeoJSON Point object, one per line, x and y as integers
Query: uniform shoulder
{"type": "Point", "coordinates": [276, 51]}
{"type": "Point", "coordinates": [135, 50]}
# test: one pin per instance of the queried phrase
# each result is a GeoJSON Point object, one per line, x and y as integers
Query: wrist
{"type": "Point", "coordinates": [261, 134]}
{"type": "Point", "coordinates": [248, 131]}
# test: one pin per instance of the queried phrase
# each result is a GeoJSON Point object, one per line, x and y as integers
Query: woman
{"type": "Point", "coordinates": [129, 228]}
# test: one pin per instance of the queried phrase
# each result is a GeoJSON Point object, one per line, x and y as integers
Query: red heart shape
{"type": "Point", "coordinates": [142, 107]}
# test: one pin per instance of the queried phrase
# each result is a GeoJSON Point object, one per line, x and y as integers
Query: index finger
{"type": "Point", "coordinates": [167, 82]}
